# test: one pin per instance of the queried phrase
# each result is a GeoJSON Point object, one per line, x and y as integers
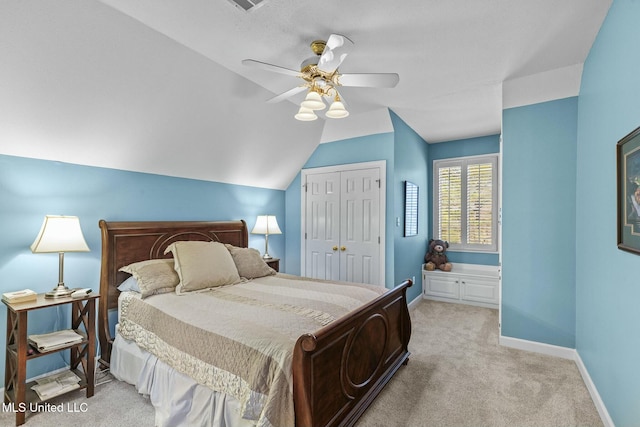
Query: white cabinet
{"type": "Point", "coordinates": [465, 283]}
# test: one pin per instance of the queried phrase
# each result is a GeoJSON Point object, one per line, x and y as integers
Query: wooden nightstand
{"type": "Point", "coordinates": [18, 350]}
{"type": "Point", "coordinates": [273, 263]}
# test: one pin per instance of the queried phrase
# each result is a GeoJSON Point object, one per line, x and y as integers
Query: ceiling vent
{"type": "Point", "coordinates": [247, 5]}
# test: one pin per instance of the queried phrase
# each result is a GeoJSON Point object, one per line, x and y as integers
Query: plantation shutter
{"type": "Point", "coordinates": [480, 204]}
{"type": "Point", "coordinates": [449, 204]}
{"type": "Point", "coordinates": [465, 202]}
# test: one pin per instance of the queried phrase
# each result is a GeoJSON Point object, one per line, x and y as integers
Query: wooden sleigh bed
{"type": "Point", "coordinates": [337, 370]}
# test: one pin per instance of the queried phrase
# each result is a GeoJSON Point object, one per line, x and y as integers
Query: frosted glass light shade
{"type": "Point", "coordinates": [313, 101]}
{"type": "Point", "coordinates": [337, 111]}
{"type": "Point", "coordinates": [305, 115]}
{"type": "Point", "coordinates": [60, 234]}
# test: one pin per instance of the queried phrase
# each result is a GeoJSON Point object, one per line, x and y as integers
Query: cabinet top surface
{"type": "Point", "coordinates": [468, 269]}
{"type": "Point", "coordinates": [42, 302]}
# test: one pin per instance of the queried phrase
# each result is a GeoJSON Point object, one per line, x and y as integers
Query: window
{"type": "Point", "coordinates": [466, 202]}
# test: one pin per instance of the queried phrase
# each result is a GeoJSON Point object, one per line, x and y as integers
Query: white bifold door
{"type": "Point", "coordinates": [342, 225]}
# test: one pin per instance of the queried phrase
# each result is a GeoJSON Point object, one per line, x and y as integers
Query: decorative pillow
{"type": "Point", "coordinates": [131, 284]}
{"type": "Point", "coordinates": [202, 265]}
{"type": "Point", "coordinates": [249, 262]}
{"type": "Point", "coordinates": [154, 276]}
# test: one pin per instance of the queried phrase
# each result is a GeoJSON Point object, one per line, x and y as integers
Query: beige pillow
{"type": "Point", "coordinates": [202, 265]}
{"type": "Point", "coordinates": [155, 276]}
{"type": "Point", "coordinates": [249, 262]}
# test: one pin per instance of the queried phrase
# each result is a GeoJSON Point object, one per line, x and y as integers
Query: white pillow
{"type": "Point", "coordinates": [129, 285]}
{"type": "Point", "coordinates": [202, 265]}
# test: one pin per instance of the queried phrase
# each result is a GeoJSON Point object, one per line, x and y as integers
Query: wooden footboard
{"type": "Point", "coordinates": [339, 370]}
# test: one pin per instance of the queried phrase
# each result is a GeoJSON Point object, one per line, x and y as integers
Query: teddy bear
{"type": "Point", "coordinates": [436, 256]}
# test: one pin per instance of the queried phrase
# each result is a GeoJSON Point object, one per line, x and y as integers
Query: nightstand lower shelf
{"type": "Point", "coordinates": [30, 396]}
{"type": "Point", "coordinates": [18, 351]}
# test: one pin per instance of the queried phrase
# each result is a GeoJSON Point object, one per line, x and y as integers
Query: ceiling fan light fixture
{"type": "Point", "coordinates": [305, 115]}
{"type": "Point", "coordinates": [337, 111]}
{"type": "Point", "coordinates": [322, 78]}
{"type": "Point", "coordinates": [313, 101]}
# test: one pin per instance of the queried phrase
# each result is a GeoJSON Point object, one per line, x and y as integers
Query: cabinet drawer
{"type": "Point", "coordinates": [446, 287]}
{"type": "Point", "coordinates": [479, 290]}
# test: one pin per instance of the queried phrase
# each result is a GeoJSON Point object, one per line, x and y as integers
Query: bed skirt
{"type": "Point", "coordinates": [178, 400]}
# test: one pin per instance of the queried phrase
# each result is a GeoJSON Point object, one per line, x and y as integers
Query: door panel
{"type": "Point", "coordinates": [322, 221]}
{"type": "Point", "coordinates": [360, 226]}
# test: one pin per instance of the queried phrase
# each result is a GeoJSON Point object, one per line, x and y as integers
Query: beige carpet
{"type": "Point", "coordinates": [458, 375]}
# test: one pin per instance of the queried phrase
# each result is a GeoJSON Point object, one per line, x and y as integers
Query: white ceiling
{"type": "Point", "coordinates": [452, 56]}
{"type": "Point", "coordinates": [158, 85]}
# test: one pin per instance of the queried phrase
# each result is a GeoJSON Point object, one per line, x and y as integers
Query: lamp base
{"type": "Point", "coordinates": [59, 292]}
{"type": "Point", "coordinates": [266, 256]}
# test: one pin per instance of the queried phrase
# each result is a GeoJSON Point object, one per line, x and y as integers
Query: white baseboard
{"type": "Point", "coordinates": [564, 353]}
{"type": "Point", "coordinates": [414, 302]}
{"type": "Point", "coordinates": [593, 391]}
{"type": "Point", "coordinates": [538, 347]}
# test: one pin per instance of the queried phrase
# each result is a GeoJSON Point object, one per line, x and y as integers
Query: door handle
{"type": "Point", "coordinates": [335, 248]}
{"type": "Point", "coordinates": [343, 248]}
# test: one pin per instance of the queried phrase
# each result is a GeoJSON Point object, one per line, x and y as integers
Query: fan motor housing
{"type": "Point", "coordinates": [317, 46]}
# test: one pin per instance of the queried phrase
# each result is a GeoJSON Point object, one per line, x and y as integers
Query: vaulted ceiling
{"type": "Point", "coordinates": [158, 85]}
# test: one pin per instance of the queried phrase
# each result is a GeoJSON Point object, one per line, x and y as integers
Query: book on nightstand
{"type": "Point", "coordinates": [24, 295]}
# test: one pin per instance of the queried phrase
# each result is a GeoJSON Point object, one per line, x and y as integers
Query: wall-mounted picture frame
{"type": "Point", "coordinates": [410, 209]}
{"type": "Point", "coordinates": [628, 183]}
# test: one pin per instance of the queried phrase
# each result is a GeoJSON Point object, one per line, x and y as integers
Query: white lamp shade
{"type": "Point", "coordinates": [60, 234]}
{"type": "Point", "coordinates": [305, 115]}
{"type": "Point", "coordinates": [266, 224]}
{"type": "Point", "coordinates": [313, 101]}
{"type": "Point", "coordinates": [337, 111]}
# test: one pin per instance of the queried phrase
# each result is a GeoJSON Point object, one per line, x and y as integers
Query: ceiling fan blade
{"type": "Point", "coordinates": [336, 49]}
{"type": "Point", "coordinates": [286, 94]}
{"type": "Point", "coordinates": [270, 67]}
{"type": "Point", "coordinates": [369, 79]}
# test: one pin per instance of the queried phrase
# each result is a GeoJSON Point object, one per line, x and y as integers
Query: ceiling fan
{"type": "Point", "coordinates": [322, 78]}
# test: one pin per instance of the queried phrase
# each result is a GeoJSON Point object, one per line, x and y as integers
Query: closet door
{"type": "Point", "coordinates": [342, 225]}
{"type": "Point", "coordinates": [322, 219]}
{"type": "Point", "coordinates": [360, 226]}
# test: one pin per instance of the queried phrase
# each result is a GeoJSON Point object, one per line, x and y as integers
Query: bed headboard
{"type": "Point", "coordinates": [126, 242]}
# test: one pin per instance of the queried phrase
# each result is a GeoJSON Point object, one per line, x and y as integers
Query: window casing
{"type": "Point", "coordinates": [465, 202]}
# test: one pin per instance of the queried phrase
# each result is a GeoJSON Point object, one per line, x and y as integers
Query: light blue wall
{"type": "Point", "coordinates": [410, 160]}
{"type": "Point", "coordinates": [538, 222]}
{"type": "Point", "coordinates": [608, 279]}
{"type": "Point", "coordinates": [31, 189]}
{"type": "Point", "coordinates": [405, 154]}
{"type": "Point", "coordinates": [465, 147]}
{"type": "Point", "coordinates": [462, 148]}
{"type": "Point", "coordinates": [353, 150]}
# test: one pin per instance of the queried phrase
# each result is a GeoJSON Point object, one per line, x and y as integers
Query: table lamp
{"type": "Point", "coordinates": [60, 234]}
{"type": "Point", "coordinates": [266, 224]}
